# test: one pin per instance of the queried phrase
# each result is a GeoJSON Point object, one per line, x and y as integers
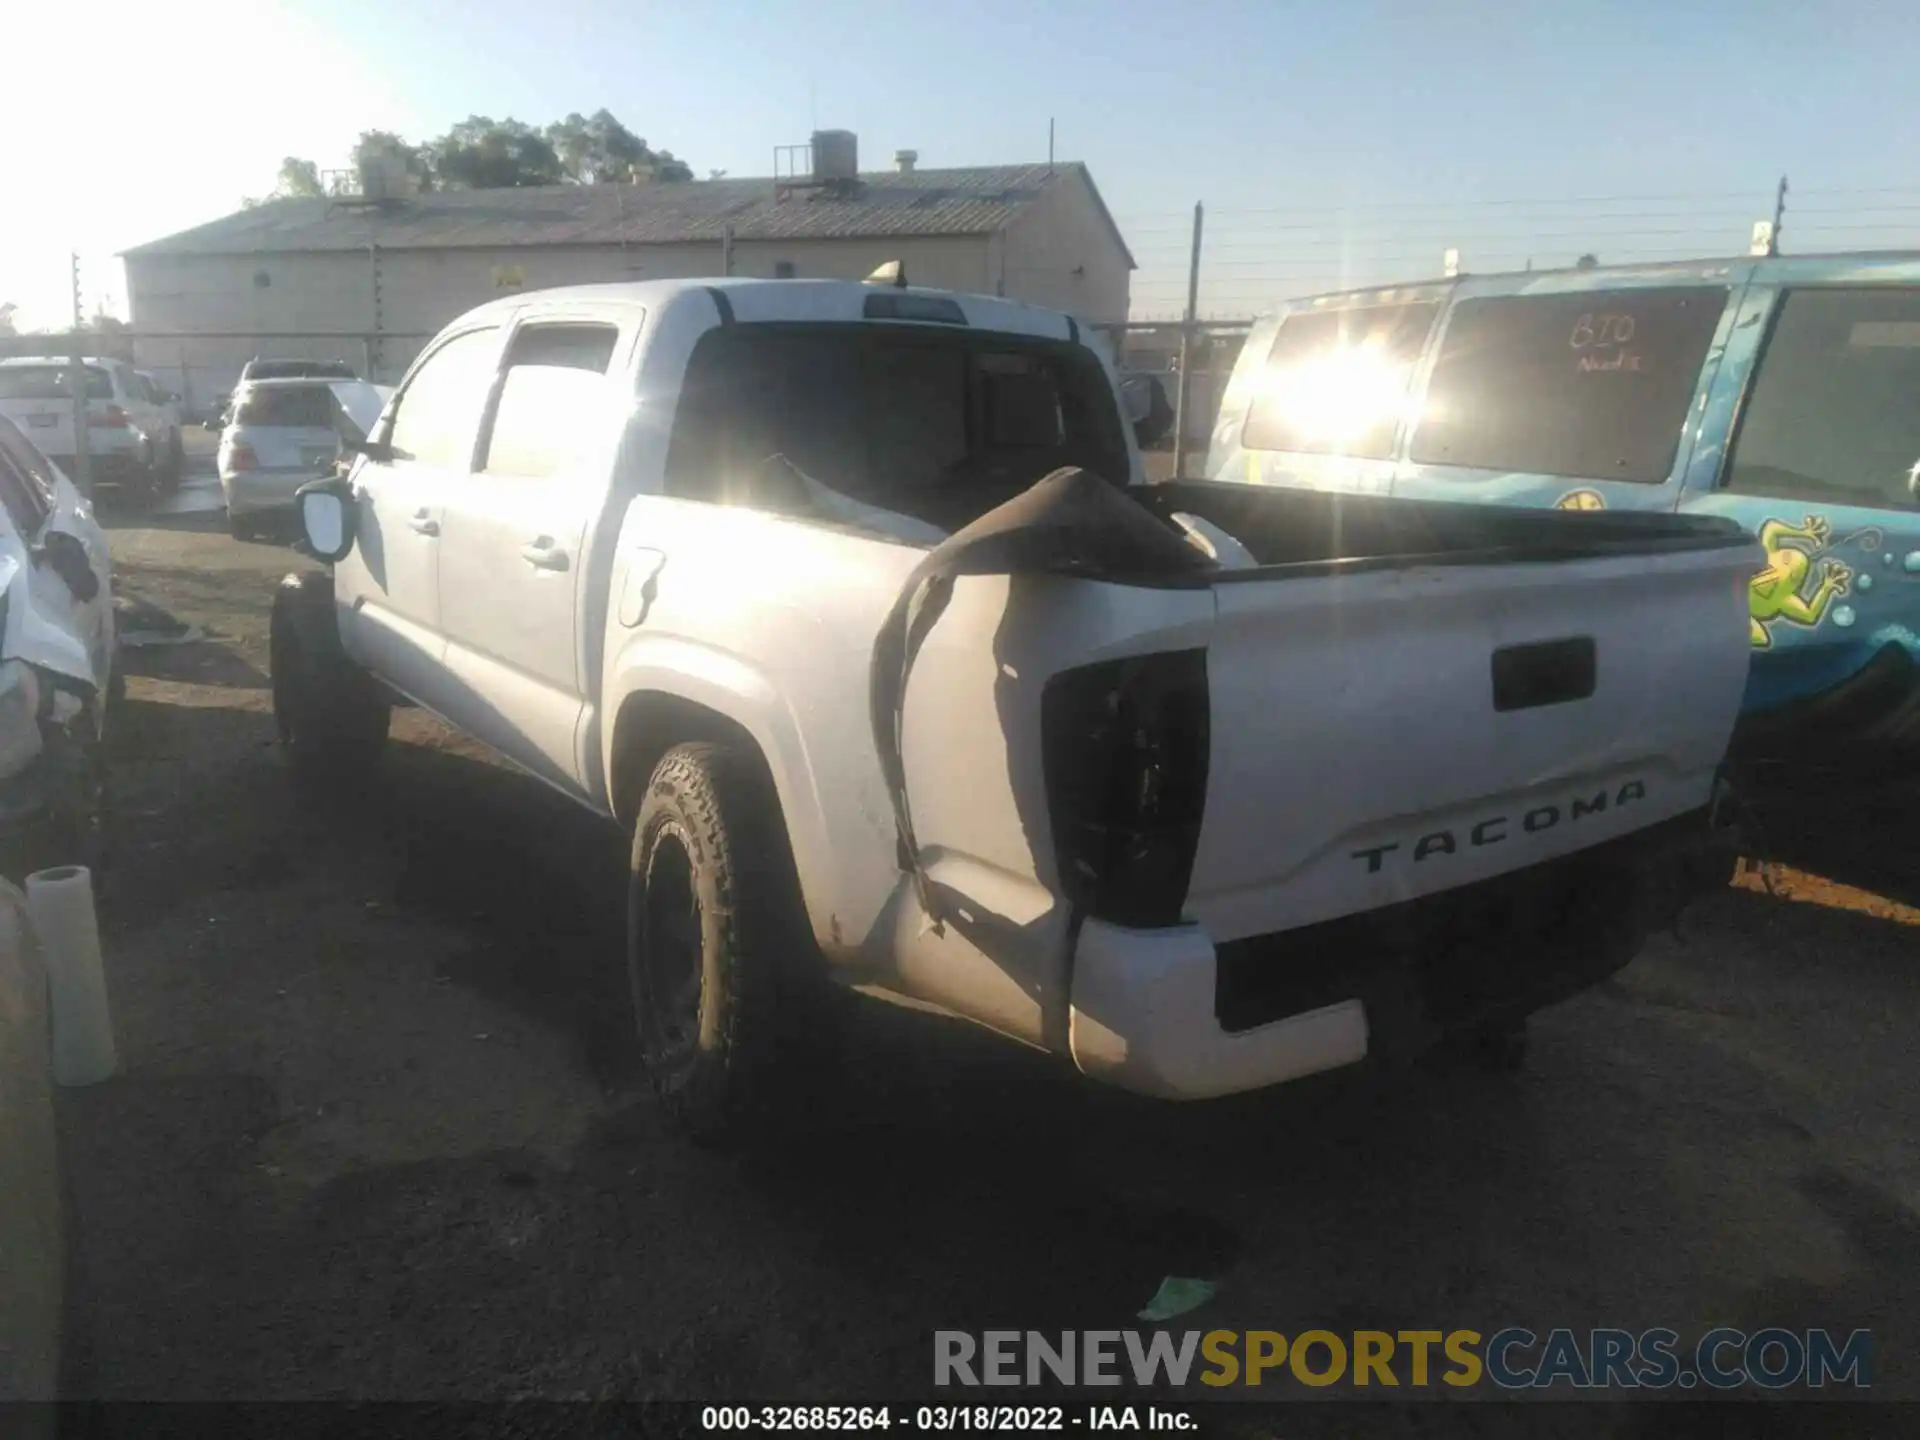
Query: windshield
{"type": "Point", "coordinates": [50, 382]}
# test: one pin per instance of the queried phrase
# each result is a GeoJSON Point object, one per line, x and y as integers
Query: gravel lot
{"type": "Point", "coordinates": [377, 1133]}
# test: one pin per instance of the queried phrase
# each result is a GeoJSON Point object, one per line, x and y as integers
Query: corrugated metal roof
{"type": "Point", "coordinates": [974, 201]}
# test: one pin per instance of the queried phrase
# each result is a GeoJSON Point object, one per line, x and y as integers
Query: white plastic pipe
{"type": "Point", "coordinates": [60, 905]}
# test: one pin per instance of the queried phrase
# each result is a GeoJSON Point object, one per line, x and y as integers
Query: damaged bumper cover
{"type": "Point", "coordinates": [1169, 1013]}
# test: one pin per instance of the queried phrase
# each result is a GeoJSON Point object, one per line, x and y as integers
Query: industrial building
{"type": "Point", "coordinates": [370, 277]}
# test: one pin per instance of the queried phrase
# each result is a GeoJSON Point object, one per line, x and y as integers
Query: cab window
{"type": "Point", "coordinates": [1834, 409]}
{"type": "Point", "coordinates": [940, 425]}
{"type": "Point", "coordinates": [550, 398]}
{"type": "Point", "coordinates": [1335, 381]}
{"type": "Point", "coordinates": [1592, 385]}
{"type": "Point", "coordinates": [437, 415]}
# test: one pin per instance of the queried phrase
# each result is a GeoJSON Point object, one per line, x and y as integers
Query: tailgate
{"type": "Point", "coordinates": [1380, 734]}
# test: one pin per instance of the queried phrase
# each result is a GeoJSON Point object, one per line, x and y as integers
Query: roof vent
{"type": "Point", "coordinates": [836, 156]}
{"type": "Point", "coordinates": [905, 160]}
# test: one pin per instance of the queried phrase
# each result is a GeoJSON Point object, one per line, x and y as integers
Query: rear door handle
{"type": "Point", "coordinates": [543, 554]}
{"type": "Point", "coordinates": [421, 523]}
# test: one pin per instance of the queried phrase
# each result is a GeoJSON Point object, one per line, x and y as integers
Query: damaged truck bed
{"type": "Point", "coordinates": [898, 675]}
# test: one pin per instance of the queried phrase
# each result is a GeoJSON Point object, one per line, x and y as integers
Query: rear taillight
{"type": "Point", "coordinates": [112, 418]}
{"type": "Point", "coordinates": [241, 457]}
{"type": "Point", "coordinates": [1126, 752]}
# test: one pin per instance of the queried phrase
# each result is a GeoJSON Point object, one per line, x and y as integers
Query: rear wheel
{"type": "Point", "coordinates": [176, 462]}
{"type": "Point", "coordinates": [242, 528]}
{"type": "Point", "coordinates": [332, 716]}
{"type": "Point", "coordinates": [720, 964]}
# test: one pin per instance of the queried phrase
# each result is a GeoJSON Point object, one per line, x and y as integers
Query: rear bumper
{"type": "Point", "coordinates": [1169, 1013]}
{"type": "Point", "coordinates": [252, 492]}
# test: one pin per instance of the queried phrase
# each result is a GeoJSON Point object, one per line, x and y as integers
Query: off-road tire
{"type": "Point", "coordinates": [241, 528]}
{"type": "Point", "coordinates": [332, 716]}
{"type": "Point", "coordinates": [709, 830]}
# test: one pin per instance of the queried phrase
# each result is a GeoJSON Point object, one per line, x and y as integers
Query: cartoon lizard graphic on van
{"type": "Point", "coordinates": [1778, 591]}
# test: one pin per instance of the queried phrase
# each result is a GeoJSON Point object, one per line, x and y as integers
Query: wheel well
{"type": "Point", "coordinates": [650, 724]}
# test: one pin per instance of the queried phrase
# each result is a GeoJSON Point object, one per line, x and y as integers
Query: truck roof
{"type": "Point", "coordinates": [763, 300]}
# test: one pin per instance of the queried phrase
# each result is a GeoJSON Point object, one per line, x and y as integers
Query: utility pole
{"type": "Point", "coordinates": [1186, 350]}
{"type": "Point", "coordinates": [77, 383]}
{"type": "Point", "coordinates": [726, 249]}
{"type": "Point", "coordinates": [1779, 216]}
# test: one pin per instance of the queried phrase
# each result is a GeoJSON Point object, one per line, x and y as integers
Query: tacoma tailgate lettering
{"type": "Point", "coordinates": [1494, 829]}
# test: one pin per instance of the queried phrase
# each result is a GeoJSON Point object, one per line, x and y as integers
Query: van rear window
{"type": "Point", "coordinates": [1335, 381]}
{"type": "Point", "coordinates": [1594, 385]}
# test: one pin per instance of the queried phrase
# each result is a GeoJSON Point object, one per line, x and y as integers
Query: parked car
{"type": "Point", "coordinates": [1777, 391]}
{"type": "Point", "coordinates": [133, 443]}
{"type": "Point", "coordinates": [283, 433]}
{"type": "Point", "coordinates": [259, 369]}
{"type": "Point", "coordinates": [58, 664]}
{"type": "Point", "coordinates": [172, 412]}
{"type": "Point", "coordinates": [1245, 784]}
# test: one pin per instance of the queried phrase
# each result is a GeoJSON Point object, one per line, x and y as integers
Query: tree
{"type": "Point", "coordinates": [299, 180]}
{"type": "Point", "coordinates": [1587, 262]}
{"type": "Point", "coordinates": [598, 149]}
{"type": "Point", "coordinates": [483, 154]}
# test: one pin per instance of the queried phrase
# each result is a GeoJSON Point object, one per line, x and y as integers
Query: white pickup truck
{"type": "Point", "coordinates": [1202, 786]}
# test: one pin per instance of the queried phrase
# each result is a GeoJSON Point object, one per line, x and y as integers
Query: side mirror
{"type": "Point", "coordinates": [327, 517]}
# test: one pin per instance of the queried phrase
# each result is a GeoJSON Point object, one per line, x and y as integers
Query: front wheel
{"type": "Point", "coordinates": [717, 951]}
{"type": "Point", "coordinates": [331, 716]}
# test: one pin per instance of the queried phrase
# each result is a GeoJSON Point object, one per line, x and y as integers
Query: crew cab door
{"type": "Point", "coordinates": [513, 545]}
{"type": "Point", "coordinates": [387, 587]}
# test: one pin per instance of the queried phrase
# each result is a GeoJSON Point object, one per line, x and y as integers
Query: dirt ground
{"type": "Point", "coordinates": [377, 1132]}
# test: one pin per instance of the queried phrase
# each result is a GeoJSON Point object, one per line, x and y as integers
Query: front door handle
{"type": "Point", "coordinates": [421, 523]}
{"type": "Point", "coordinates": [543, 554]}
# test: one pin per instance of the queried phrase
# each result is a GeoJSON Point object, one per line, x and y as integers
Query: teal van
{"type": "Point", "coordinates": [1783, 392]}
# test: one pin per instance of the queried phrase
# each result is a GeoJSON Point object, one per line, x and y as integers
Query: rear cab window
{"type": "Point", "coordinates": [939, 424]}
{"type": "Point", "coordinates": [1831, 415]}
{"type": "Point", "coordinates": [1590, 384]}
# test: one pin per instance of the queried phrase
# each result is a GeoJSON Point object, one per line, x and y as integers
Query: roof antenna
{"type": "Point", "coordinates": [1049, 145]}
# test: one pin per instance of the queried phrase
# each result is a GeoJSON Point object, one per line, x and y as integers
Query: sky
{"type": "Point", "coordinates": [1332, 143]}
